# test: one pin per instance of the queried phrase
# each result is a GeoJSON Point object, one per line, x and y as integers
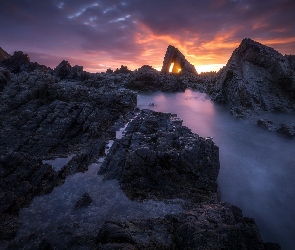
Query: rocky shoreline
{"type": "Point", "coordinates": [66, 112]}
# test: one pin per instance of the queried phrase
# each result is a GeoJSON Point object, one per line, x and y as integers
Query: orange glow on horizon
{"type": "Point", "coordinates": [205, 55]}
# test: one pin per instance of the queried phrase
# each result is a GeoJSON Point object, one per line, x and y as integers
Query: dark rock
{"type": "Point", "coordinates": [158, 158]}
{"type": "Point", "coordinates": [211, 226]}
{"type": "Point", "coordinates": [65, 71]}
{"type": "Point", "coordinates": [287, 130]}
{"type": "Point", "coordinates": [3, 54]}
{"type": "Point", "coordinates": [84, 201]}
{"type": "Point", "coordinates": [148, 79]}
{"type": "Point", "coordinates": [112, 232]}
{"type": "Point", "coordinates": [9, 225]}
{"type": "Point", "coordinates": [123, 70]}
{"type": "Point", "coordinates": [109, 71]}
{"type": "Point", "coordinates": [45, 245]}
{"type": "Point", "coordinates": [173, 55]}
{"type": "Point", "coordinates": [267, 124]}
{"type": "Point", "coordinates": [21, 62]}
{"type": "Point", "coordinates": [257, 78]}
{"type": "Point", "coordinates": [5, 77]}
{"type": "Point", "coordinates": [291, 59]}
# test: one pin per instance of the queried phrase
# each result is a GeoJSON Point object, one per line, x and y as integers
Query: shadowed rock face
{"type": "Point", "coordinates": [257, 78]}
{"type": "Point", "coordinates": [173, 55]}
{"type": "Point", "coordinates": [159, 158]}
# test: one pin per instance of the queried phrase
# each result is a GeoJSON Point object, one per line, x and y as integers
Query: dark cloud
{"type": "Point", "coordinates": [135, 32]}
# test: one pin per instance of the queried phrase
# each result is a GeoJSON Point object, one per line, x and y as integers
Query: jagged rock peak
{"type": "Point", "coordinates": [173, 55]}
{"type": "Point", "coordinates": [249, 44]}
{"type": "Point", "coordinates": [3, 54]}
{"type": "Point", "coordinates": [257, 77]}
{"type": "Point", "coordinates": [65, 70]}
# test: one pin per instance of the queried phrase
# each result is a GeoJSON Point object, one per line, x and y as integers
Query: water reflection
{"type": "Point", "coordinates": [257, 166]}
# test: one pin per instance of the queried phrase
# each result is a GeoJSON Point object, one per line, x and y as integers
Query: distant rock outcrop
{"type": "Point", "coordinates": [257, 78]}
{"type": "Point", "coordinates": [173, 55]}
{"type": "Point", "coordinates": [123, 69]}
{"type": "Point", "coordinates": [21, 62]}
{"type": "Point", "coordinates": [65, 71]}
{"type": "Point", "coordinates": [148, 79]}
{"type": "Point", "coordinates": [3, 54]}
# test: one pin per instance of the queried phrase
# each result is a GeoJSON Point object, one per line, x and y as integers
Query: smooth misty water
{"type": "Point", "coordinates": [257, 166]}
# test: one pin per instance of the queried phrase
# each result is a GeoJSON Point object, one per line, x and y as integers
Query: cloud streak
{"type": "Point", "coordinates": [134, 33]}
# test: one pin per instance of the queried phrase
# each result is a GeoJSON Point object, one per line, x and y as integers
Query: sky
{"type": "Point", "coordinates": [101, 34]}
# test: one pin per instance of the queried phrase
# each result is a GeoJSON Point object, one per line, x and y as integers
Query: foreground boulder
{"type": "Point", "coordinates": [214, 226]}
{"type": "Point", "coordinates": [159, 158]}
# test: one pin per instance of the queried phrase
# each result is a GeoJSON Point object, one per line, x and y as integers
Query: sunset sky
{"type": "Point", "coordinates": [101, 34]}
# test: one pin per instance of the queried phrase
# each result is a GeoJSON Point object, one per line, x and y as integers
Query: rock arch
{"type": "Point", "coordinates": [173, 55]}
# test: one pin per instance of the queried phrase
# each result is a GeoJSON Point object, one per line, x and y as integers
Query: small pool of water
{"type": "Point", "coordinates": [58, 163]}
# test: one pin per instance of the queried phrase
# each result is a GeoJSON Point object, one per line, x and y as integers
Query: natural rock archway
{"type": "Point", "coordinates": [173, 55]}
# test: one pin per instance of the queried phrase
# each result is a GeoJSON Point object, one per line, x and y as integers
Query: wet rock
{"type": "Point", "coordinates": [287, 130]}
{"type": "Point", "coordinates": [212, 226]}
{"type": "Point", "coordinates": [158, 158]}
{"type": "Point", "coordinates": [84, 201]}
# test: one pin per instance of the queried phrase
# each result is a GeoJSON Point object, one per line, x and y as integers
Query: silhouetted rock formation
{"type": "Point", "coordinates": [148, 79]}
{"type": "Point", "coordinates": [257, 78]}
{"type": "Point", "coordinates": [123, 69]}
{"type": "Point", "coordinates": [3, 54]}
{"type": "Point", "coordinates": [84, 201]}
{"type": "Point", "coordinates": [173, 55]}
{"type": "Point", "coordinates": [21, 62]}
{"type": "Point", "coordinates": [65, 71]}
